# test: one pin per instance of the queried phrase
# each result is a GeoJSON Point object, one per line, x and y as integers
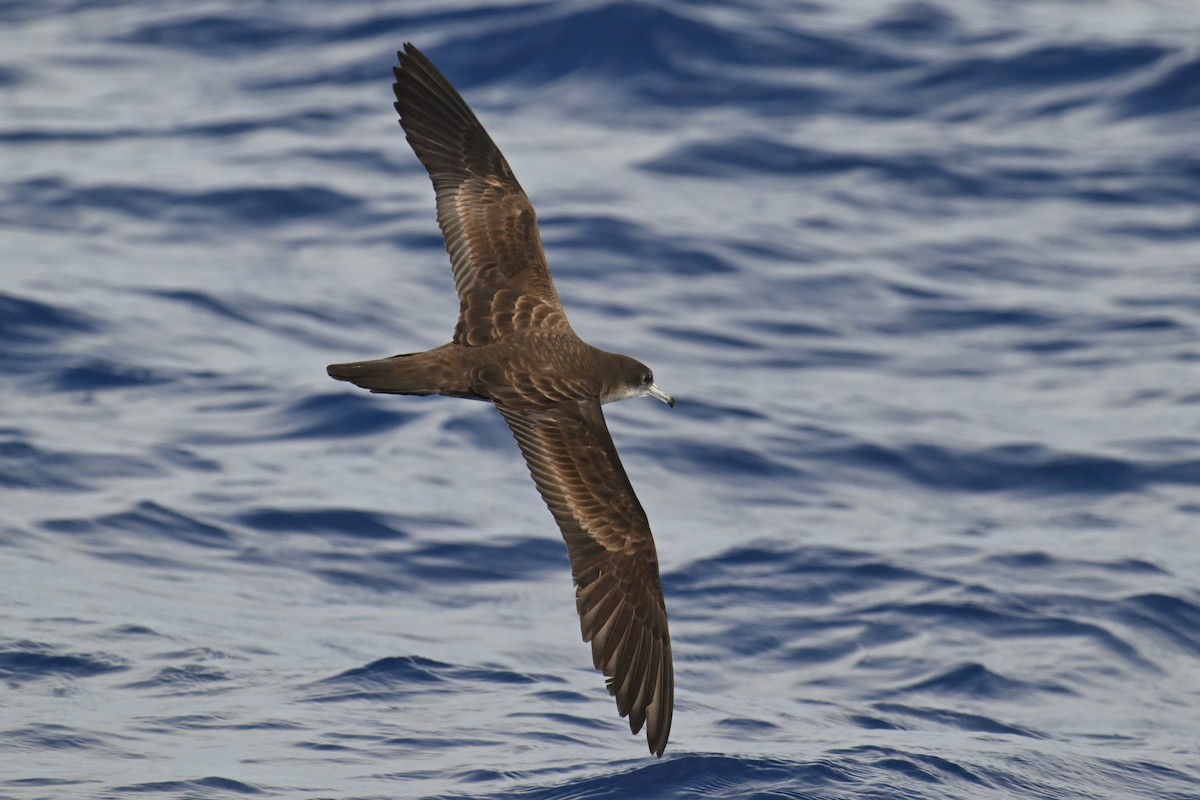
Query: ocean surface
{"type": "Point", "coordinates": [924, 278]}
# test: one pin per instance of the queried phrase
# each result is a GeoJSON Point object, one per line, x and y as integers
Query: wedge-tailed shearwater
{"type": "Point", "coordinates": [513, 347]}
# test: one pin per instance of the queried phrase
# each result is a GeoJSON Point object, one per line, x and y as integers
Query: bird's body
{"type": "Point", "coordinates": [532, 369]}
{"type": "Point", "coordinates": [513, 346]}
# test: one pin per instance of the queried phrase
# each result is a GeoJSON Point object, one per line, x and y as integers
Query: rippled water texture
{"type": "Point", "coordinates": [923, 277]}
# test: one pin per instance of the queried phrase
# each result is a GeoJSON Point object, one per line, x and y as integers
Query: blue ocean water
{"type": "Point", "coordinates": [923, 276]}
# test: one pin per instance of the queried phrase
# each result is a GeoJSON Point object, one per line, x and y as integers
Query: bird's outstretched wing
{"type": "Point", "coordinates": [491, 232]}
{"type": "Point", "coordinates": [618, 594]}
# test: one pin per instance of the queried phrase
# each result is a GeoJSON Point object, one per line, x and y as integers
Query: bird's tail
{"type": "Point", "coordinates": [439, 371]}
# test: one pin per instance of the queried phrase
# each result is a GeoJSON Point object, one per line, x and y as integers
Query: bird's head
{"type": "Point", "coordinates": [632, 378]}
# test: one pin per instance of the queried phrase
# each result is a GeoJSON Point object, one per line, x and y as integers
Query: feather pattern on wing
{"type": "Point", "coordinates": [613, 560]}
{"type": "Point", "coordinates": [491, 232]}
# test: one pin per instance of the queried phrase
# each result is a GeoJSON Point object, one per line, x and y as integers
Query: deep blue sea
{"type": "Point", "coordinates": [924, 278]}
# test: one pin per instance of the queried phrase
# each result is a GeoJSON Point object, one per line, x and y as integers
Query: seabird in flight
{"type": "Point", "coordinates": [513, 346]}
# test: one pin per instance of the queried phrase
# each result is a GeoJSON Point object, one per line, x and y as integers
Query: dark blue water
{"type": "Point", "coordinates": [924, 277]}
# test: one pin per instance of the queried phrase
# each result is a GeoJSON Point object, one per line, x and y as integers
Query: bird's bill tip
{"type": "Point", "coordinates": [659, 394]}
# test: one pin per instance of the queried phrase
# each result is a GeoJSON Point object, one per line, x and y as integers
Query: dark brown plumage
{"type": "Point", "coordinates": [514, 347]}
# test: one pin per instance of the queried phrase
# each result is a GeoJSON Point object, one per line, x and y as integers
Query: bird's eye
{"type": "Point", "coordinates": [647, 379]}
